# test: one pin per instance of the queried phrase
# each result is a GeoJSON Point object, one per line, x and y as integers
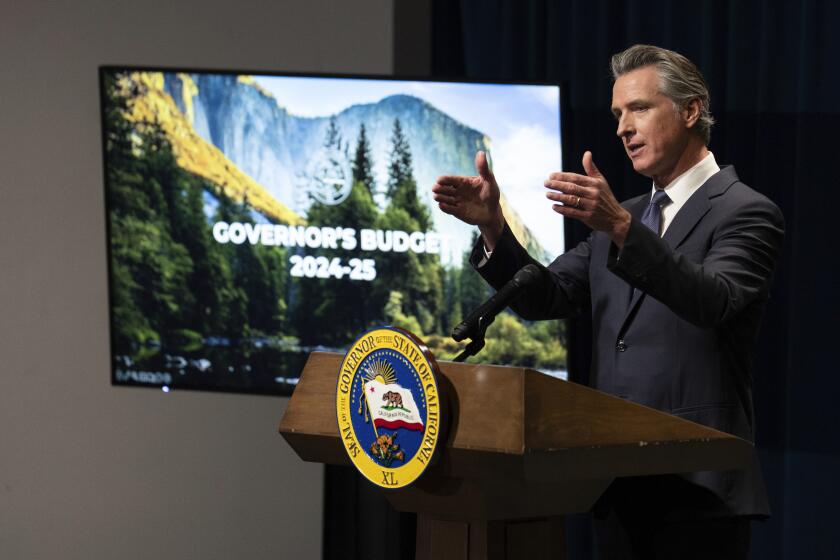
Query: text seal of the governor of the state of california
{"type": "Point", "coordinates": [388, 405]}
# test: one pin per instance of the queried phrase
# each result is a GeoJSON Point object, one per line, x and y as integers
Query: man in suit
{"type": "Point", "coordinates": [676, 281]}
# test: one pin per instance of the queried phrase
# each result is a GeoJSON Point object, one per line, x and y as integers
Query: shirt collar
{"type": "Point", "coordinates": [681, 188]}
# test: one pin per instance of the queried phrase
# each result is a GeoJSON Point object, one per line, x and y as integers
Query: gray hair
{"type": "Point", "coordinates": [679, 79]}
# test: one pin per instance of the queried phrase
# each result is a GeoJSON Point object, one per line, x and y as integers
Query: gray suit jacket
{"type": "Point", "coordinates": [684, 342]}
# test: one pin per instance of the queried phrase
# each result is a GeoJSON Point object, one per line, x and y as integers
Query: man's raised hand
{"type": "Point", "coordinates": [588, 198]}
{"type": "Point", "coordinates": [473, 200]}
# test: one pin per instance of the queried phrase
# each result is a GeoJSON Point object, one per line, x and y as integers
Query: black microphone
{"type": "Point", "coordinates": [526, 276]}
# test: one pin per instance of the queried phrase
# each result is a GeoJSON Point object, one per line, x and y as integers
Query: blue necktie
{"type": "Point", "coordinates": [652, 218]}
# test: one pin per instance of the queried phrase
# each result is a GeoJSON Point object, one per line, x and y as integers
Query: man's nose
{"type": "Point", "coordinates": [625, 126]}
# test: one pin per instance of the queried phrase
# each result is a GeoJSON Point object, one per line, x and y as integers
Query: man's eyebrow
{"type": "Point", "coordinates": [633, 103]}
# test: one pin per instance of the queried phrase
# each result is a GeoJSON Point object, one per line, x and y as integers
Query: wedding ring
{"type": "Point", "coordinates": [577, 202]}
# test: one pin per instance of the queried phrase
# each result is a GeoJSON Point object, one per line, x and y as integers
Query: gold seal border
{"type": "Point", "coordinates": [403, 342]}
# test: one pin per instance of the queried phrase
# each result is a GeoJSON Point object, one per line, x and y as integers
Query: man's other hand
{"type": "Point", "coordinates": [588, 198]}
{"type": "Point", "coordinates": [473, 200]}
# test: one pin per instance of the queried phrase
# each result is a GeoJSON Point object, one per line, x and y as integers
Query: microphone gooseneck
{"type": "Point", "coordinates": [475, 325]}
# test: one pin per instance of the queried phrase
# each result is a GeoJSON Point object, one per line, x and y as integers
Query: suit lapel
{"type": "Point", "coordinates": [698, 205]}
{"type": "Point", "coordinates": [637, 207]}
{"type": "Point", "coordinates": [692, 211]}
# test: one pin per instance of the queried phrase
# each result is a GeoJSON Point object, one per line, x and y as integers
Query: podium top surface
{"type": "Point", "coordinates": [521, 417]}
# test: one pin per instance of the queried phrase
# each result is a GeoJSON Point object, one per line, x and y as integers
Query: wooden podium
{"type": "Point", "coordinates": [519, 450]}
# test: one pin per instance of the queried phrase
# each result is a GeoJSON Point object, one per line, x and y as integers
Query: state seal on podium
{"type": "Point", "coordinates": [388, 406]}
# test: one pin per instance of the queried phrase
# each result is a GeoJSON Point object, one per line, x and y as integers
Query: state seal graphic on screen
{"type": "Point", "coordinates": [388, 405]}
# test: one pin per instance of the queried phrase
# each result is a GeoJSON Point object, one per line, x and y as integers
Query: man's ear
{"type": "Point", "coordinates": [691, 113]}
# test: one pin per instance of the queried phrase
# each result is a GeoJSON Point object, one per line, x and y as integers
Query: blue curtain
{"type": "Point", "coordinates": [774, 75]}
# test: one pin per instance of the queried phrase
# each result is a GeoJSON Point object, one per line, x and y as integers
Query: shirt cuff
{"type": "Point", "coordinates": [486, 257]}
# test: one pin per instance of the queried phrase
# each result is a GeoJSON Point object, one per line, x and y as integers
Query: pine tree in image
{"type": "Point", "coordinates": [363, 162]}
{"type": "Point", "coordinates": [399, 170]}
{"type": "Point", "coordinates": [402, 187]}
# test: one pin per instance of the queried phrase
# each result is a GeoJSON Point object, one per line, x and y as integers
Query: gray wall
{"type": "Point", "coordinates": [88, 470]}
